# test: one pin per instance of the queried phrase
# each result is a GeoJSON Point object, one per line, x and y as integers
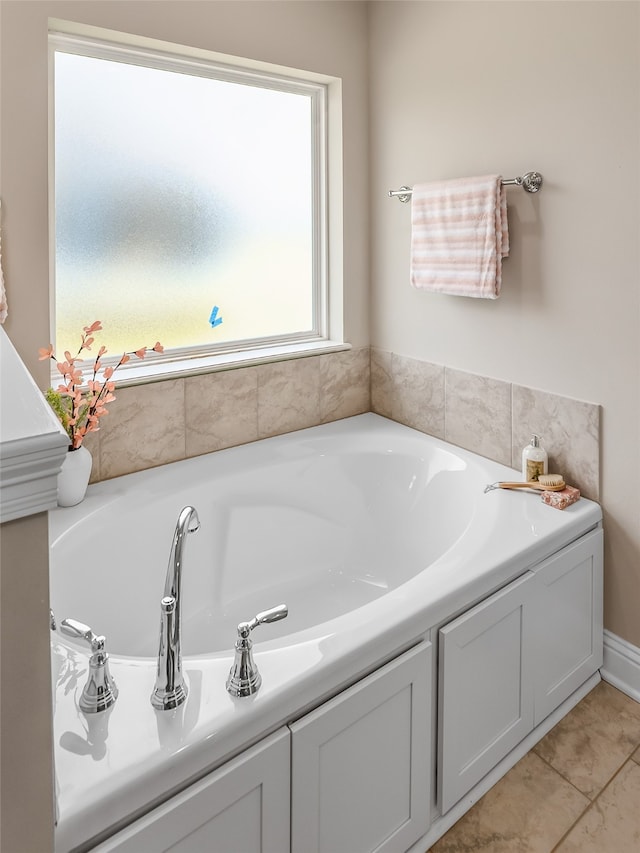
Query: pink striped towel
{"type": "Point", "coordinates": [459, 236]}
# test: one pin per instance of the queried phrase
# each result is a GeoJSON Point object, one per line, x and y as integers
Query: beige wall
{"type": "Point", "coordinates": [26, 791]}
{"type": "Point", "coordinates": [471, 88]}
{"type": "Point", "coordinates": [329, 38]}
{"type": "Point", "coordinates": [455, 88]}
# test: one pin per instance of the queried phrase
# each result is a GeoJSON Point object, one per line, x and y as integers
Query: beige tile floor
{"type": "Point", "coordinates": [576, 791]}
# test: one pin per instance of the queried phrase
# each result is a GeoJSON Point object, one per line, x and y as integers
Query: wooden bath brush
{"type": "Point", "coordinates": [544, 483]}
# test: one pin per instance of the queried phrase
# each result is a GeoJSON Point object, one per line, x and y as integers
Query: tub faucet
{"type": "Point", "coordinates": [171, 690]}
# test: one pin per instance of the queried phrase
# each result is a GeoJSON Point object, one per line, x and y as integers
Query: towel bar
{"type": "Point", "coordinates": [530, 181]}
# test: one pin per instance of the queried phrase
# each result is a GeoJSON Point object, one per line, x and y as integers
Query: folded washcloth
{"type": "Point", "coordinates": [459, 236]}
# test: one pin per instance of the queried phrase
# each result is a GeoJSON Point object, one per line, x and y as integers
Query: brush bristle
{"type": "Point", "coordinates": [551, 481]}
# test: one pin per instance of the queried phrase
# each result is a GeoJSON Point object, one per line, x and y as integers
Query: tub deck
{"type": "Point", "coordinates": [372, 533]}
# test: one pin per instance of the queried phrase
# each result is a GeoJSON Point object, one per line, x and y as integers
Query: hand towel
{"type": "Point", "coordinates": [459, 236]}
{"type": "Point", "coordinates": [3, 295]}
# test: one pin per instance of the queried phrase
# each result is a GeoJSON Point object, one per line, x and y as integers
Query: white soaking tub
{"type": "Point", "coordinates": [373, 534]}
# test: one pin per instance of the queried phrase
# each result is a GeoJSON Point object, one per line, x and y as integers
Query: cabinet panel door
{"type": "Point", "coordinates": [360, 763]}
{"type": "Point", "coordinates": [485, 688]}
{"type": "Point", "coordinates": [243, 807]}
{"type": "Point", "coordinates": [569, 632]}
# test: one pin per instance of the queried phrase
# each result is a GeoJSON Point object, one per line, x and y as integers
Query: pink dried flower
{"type": "Point", "coordinates": [45, 353]}
{"type": "Point", "coordinates": [80, 408]}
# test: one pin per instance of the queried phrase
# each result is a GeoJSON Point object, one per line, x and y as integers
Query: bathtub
{"type": "Point", "coordinates": [371, 533]}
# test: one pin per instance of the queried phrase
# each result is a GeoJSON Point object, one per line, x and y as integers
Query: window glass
{"type": "Point", "coordinates": [186, 207]}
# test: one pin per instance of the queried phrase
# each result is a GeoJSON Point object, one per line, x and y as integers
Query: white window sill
{"type": "Point", "coordinates": [152, 370]}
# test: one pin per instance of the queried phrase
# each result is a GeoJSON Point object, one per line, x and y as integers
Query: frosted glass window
{"type": "Point", "coordinates": [186, 206]}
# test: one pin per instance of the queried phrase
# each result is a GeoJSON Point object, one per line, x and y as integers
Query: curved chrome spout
{"type": "Point", "coordinates": [170, 690]}
{"type": "Point", "coordinates": [188, 522]}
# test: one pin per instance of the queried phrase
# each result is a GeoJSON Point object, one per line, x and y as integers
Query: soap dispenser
{"type": "Point", "coordinates": [534, 460]}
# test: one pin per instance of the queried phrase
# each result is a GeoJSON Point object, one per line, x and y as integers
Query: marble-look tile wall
{"type": "Point", "coordinates": [489, 416]}
{"type": "Point", "coordinates": [162, 422]}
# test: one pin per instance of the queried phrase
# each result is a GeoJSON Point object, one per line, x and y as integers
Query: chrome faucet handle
{"type": "Point", "coordinates": [100, 692]}
{"type": "Point", "coordinates": [274, 614]}
{"type": "Point", "coordinates": [170, 690]}
{"type": "Point", "coordinates": [244, 678]}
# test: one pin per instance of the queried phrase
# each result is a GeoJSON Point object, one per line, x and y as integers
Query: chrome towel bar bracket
{"type": "Point", "coordinates": [531, 182]}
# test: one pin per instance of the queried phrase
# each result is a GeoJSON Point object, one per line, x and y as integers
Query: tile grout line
{"type": "Point", "coordinates": [184, 415]}
{"type": "Point", "coordinates": [562, 776]}
{"type": "Point", "coordinates": [586, 808]}
{"type": "Point", "coordinates": [591, 804]}
{"type": "Point", "coordinates": [444, 403]}
{"type": "Point", "coordinates": [512, 438]}
{"type": "Point", "coordinates": [568, 781]}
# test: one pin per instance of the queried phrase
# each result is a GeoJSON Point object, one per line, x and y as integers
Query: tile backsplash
{"type": "Point", "coordinates": [150, 425]}
{"type": "Point", "coordinates": [489, 416]}
{"type": "Point", "coordinates": [162, 422]}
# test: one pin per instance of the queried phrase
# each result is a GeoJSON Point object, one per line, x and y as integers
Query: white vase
{"type": "Point", "coordinates": [73, 478]}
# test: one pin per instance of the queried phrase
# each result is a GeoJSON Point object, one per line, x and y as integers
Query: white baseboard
{"type": "Point", "coordinates": [621, 665]}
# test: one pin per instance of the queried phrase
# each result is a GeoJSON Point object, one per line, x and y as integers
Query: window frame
{"type": "Point", "coordinates": [325, 97]}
